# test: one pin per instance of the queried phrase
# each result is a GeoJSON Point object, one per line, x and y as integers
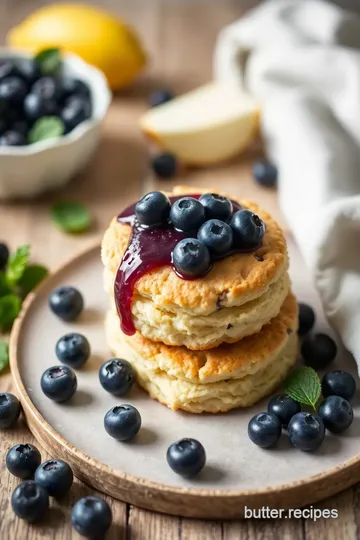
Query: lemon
{"type": "Point", "coordinates": [208, 125]}
{"type": "Point", "coordinates": [99, 38]}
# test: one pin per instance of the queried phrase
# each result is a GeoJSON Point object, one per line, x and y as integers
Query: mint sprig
{"type": "Point", "coordinates": [71, 217]}
{"type": "Point", "coordinates": [10, 306]}
{"type": "Point", "coordinates": [304, 386]}
{"type": "Point", "coordinates": [4, 355]}
{"type": "Point", "coordinates": [32, 276]}
{"type": "Point", "coordinates": [16, 265]}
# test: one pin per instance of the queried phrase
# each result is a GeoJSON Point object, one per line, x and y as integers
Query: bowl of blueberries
{"type": "Point", "coordinates": [51, 109]}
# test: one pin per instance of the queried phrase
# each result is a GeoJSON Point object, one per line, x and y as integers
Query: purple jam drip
{"type": "Point", "coordinates": [148, 249]}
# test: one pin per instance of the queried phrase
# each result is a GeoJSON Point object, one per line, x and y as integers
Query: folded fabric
{"type": "Point", "coordinates": [302, 60]}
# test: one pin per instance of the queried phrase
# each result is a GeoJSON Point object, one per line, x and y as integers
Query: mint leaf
{"type": "Point", "coordinates": [32, 276]}
{"type": "Point", "coordinates": [17, 264]}
{"type": "Point", "coordinates": [4, 355]}
{"type": "Point", "coordinates": [303, 385]}
{"type": "Point", "coordinates": [71, 217]}
{"type": "Point", "coordinates": [48, 127]}
{"type": "Point", "coordinates": [10, 306]}
{"type": "Point", "coordinates": [4, 288]}
{"type": "Point", "coordinates": [49, 60]}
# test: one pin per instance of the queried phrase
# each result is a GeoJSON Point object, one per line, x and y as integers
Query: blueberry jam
{"type": "Point", "coordinates": [149, 249]}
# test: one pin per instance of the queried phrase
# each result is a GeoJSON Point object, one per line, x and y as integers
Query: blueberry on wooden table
{"type": "Point", "coordinates": [22, 460]}
{"type": "Point", "coordinates": [117, 376]}
{"type": "Point", "coordinates": [306, 431]}
{"type": "Point", "coordinates": [264, 429]}
{"type": "Point", "coordinates": [66, 302]}
{"type": "Point", "coordinates": [217, 236]}
{"type": "Point", "coordinates": [59, 383]}
{"type": "Point", "coordinates": [91, 517]}
{"type": "Point", "coordinates": [4, 256]}
{"type": "Point", "coordinates": [30, 501]}
{"type": "Point", "coordinates": [336, 413]}
{"type": "Point", "coordinates": [248, 229]}
{"type": "Point", "coordinates": [159, 97]}
{"type": "Point", "coordinates": [164, 165]}
{"type": "Point", "coordinates": [56, 476]}
{"type": "Point", "coordinates": [284, 407]}
{"type": "Point", "coordinates": [187, 214]}
{"type": "Point", "coordinates": [186, 457]}
{"type": "Point", "coordinates": [306, 318]}
{"type": "Point", "coordinates": [122, 422]}
{"type": "Point", "coordinates": [265, 173]}
{"type": "Point", "coordinates": [318, 351]}
{"type": "Point", "coordinates": [73, 349]}
{"type": "Point", "coordinates": [9, 410]}
{"type": "Point", "coordinates": [153, 209]}
{"type": "Point", "coordinates": [338, 383]}
{"type": "Point", "coordinates": [191, 258]}
{"type": "Point", "coordinates": [217, 206]}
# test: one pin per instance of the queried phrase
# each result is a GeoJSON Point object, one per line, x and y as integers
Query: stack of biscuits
{"type": "Point", "coordinates": [214, 343]}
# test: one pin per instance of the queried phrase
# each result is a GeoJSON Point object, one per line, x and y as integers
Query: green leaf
{"type": "Point", "coordinates": [17, 264]}
{"type": "Point", "coordinates": [4, 288]}
{"type": "Point", "coordinates": [49, 60]}
{"type": "Point", "coordinates": [10, 306]}
{"type": "Point", "coordinates": [32, 276]}
{"type": "Point", "coordinates": [71, 217]}
{"type": "Point", "coordinates": [4, 355]}
{"type": "Point", "coordinates": [303, 385]}
{"type": "Point", "coordinates": [48, 127]}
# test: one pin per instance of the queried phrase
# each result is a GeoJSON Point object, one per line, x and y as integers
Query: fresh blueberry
{"type": "Point", "coordinates": [22, 460]}
{"type": "Point", "coordinates": [265, 173]}
{"type": "Point", "coordinates": [66, 302]}
{"type": "Point", "coordinates": [9, 410]}
{"type": "Point", "coordinates": [284, 407]}
{"type": "Point", "coordinates": [30, 501]}
{"type": "Point", "coordinates": [13, 138]}
{"type": "Point", "coordinates": [12, 90]}
{"type": "Point", "coordinates": [306, 318]}
{"type": "Point", "coordinates": [248, 229]}
{"type": "Point", "coordinates": [186, 457]}
{"type": "Point", "coordinates": [191, 258]}
{"type": "Point", "coordinates": [336, 413]}
{"type": "Point", "coordinates": [76, 110]}
{"type": "Point", "coordinates": [59, 383]}
{"type": "Point", "coordinates": [338, 383]}
{"type": "Point", "coordinates": [117, 376]}
{"type": "Point", "coordinates": [73, 349]}
{"type": "Point", "coordinates": [4, 256]}
{"type": "Point", "coordinates": [264, 429]}
{"type": "Point", "coordinates": [122, 422]}
{"type": "Point", "coordinates": [217, 206]}
{"type": "Point", "coordinates": [318, 352]}
{"type": "Point", "coordinates": [47, 88]}
{"type": "Point", "coordinates": [187, 214]}
{"type": "Point", "coordinates": [91, 517]}
{"type": "Point", "coordinates": [20, 126]}
{"type": "Point", "coordinates": [153, 209]}
{"type": "Point", "coordinates": [217, 236]}
{"type": "Point", "coordinates": [77, 87]}
{"type": "Point", "coordinates": [164, 165]}
{"type": "Point", "coordinates": [306, 431]}
{"type": "Point", "coordinates": [56, 476]}
{"type": "Point", "coordinates": [7, 69]}
{"type": "Point", "coordinates": [36, 107]}
{"type": "Point", "coordinates": [28, 70]}
{"type": "Point", "coordinates": [3, 125]}
{"type": "Point", "coordinates": [159, 97]}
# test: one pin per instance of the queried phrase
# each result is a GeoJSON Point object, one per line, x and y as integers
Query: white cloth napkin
{"type": "Point", "coordinates": [301, 58]}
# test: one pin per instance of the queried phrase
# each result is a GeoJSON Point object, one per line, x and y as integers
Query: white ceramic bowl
{"type": "Point", "coordinates": [27, 171]}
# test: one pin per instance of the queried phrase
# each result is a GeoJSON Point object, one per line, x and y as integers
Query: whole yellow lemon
{"type": "Point", "coordinates": [99, 38]}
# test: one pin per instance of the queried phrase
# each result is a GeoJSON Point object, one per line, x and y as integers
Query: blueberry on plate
{"type": "Point", "coordinates": [248, 229]}
{"type": "Point", "coordinates": [122, 422]}
{"type": "Point", "coordinates": [164, 165]}
{"type": "Point", "coordinates": [13, 138]}
{"type": "Point", "coordinates": [284, 407]}
{"type": "Point", "coordinates": [159, 97]}
{"type": "Point", "coordinates": [318, 352]}
{"type": "Point", "coordinates": [22, 460]}
{"type": "Point", "coordinates": [338, 383]}
{"type": "Point", "coordinates": [91, 517]}
{"type": "Point", "coordinates": [47, 88]}
{"type": "Point", "coordinates": [30, 501]}
{"type": "Point", "coordinates": [187, 214]}
{"type": "Point", "coordinates": [217, 206]}
{"type": "Point", "coordinates": [12, 90]}
{"type": "Point", "coordinates": [306, 318]}
{"type": "Point", "coordinates": [71, 86]}
{"type": "Point", "coordinates": [4, 256]}
{"type": "Point", "coordinates": [117, 376]}
{"type": "Point", "coordinates": [77, 109]}
{"type": "Point", "coordinates": [66, 302]}
{"type": "Point", "coordinates": [191, 258]}
{"type": "Point", "coordinates": [36, 107]}
{"type": "Point", "coordinates": [186, 457]}
{"type": "Point", "coordinates": [306, 431]}
{"type": "Point", "coordinates": [153, 209]}
{"type": "Point", "coordinates": [56, 476]}
{"type": "Point", "coordinates": [336, 413]}
{"type": "Point", "coordinates": [265, 173]}
{"type": "Point", "coordinates": [217, 236]}
{"type": "Point", "coordinates": [73, 349]}
{"type": "Point", "coordinates": [9, 410]}
{"type": "Point", "coordinates": [264, 429]}
{"type": "Point", "coordinates": [59, 383]}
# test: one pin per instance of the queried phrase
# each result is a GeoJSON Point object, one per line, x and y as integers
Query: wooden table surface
{"type": "Point", "coordinates": [180, 36]}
